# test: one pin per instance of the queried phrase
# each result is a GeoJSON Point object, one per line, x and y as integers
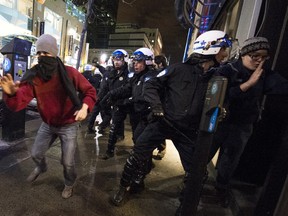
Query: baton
{"type": "Point", "coordinates": [169, 123]}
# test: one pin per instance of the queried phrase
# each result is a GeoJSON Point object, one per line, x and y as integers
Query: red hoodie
{"type": "Point", "coordinates": [54, 104]}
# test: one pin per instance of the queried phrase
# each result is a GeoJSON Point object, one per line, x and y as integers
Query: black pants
{"type": "Point", "coordinates": [105, 115]}
{"type": "Point", "coordinates": [152, 136]}
{"type": "Point", "coordinates": [119, 114]}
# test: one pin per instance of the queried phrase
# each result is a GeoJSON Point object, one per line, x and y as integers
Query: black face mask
{"type": "Point", "coordinates": [48, 66]}
{"type": "Point", "coordinates": [48, 62]}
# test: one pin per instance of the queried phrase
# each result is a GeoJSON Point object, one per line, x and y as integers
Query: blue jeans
{"type": "Point", "coordinates": [45, 137]}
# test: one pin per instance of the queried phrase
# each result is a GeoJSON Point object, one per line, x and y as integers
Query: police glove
{"type": "Point", "coordinates": [222, 114]}
{"type": "Point", "coordinates": [156, 114]}
{"type": "Point", "coordinates": [106, 100]}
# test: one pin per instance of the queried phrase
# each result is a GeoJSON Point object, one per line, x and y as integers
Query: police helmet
{"type": "Point", "coordinates": [120, 54]}
{"type": "Point", "coordinates": [88, 67]}
{"type": "Point", "coordinates": [210, 42]}
{"type": "Point", "coordinates": [144, 54]}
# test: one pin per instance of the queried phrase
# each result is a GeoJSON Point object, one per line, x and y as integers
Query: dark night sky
{"type": "Point", "coordinates": [157, 14]}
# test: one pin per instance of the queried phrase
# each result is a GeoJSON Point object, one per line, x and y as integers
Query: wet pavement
{"type": "Point", "coordinates": [97, 181]}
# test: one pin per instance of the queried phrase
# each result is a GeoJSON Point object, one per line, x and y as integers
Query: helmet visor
{"type": "Point", "coordinates": [118, 58]}
{"type": "Point", "coordinates": [138, 57]}
{"type": "Point", "coordinates": [118, 55]}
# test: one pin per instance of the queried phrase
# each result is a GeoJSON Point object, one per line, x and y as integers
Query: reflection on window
{"type": "Point", "coordinates": [8, 3]}
{"type": "Point", "coordinates": [25, 7]}
{"type": "Point", "coordinates": [229, 19]}
{"type": "Point", "coordinates": [52, 19]}
{"type": "Point", "coordinates": [72, 10]}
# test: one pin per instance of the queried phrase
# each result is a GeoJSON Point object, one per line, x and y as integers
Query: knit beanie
{"type": "Point", "coordinates": [254, 44]}
{"type": "Point", "coordinates": [47, 43]}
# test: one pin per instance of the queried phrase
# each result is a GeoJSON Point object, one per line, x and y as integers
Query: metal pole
{"type": "Point", "coordinates": [84, 30]}
{"type": "Point", "coordinates": [188, 40]}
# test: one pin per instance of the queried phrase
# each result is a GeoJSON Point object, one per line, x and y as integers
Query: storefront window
{"type": "Point", "coordinates": [8, 3]}
{"type": "Point", "coordinates": [52, 20]}
{"type": "Point", "coordinates": [53, 24]}
{"type": "Point", "coordinates": [228, 22]}
{"type": "Point", "coordinates": [16, 17]}
{"type": "Point", "coordinates": [26, 7]}
{"type": "Point", "coordinates": [229, 19]}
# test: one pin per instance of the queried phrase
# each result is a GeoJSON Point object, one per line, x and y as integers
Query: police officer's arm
{"type": "Point", "coordinates": [122, 92]}
{"type": "Point", "coordinates": [153, 87]}
{"type": "Point", "coordinates": [104, 88]}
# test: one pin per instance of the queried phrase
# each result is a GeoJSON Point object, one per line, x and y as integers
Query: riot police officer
{"type": "Point", "coordinates": [116, 78]}
{"type": "Point", "coordinates": [143, 70]}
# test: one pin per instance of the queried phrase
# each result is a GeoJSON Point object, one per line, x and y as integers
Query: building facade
{"type": "Point", "coordinates": [62, 19]}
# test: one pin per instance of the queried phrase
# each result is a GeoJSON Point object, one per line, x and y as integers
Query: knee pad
{"type": "Point", "coordinates": [112, 137]}
{"type": "Point", "coordinates": [129, 171]}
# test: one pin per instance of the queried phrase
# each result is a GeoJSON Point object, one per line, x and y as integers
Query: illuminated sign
{"type": "Point", "coordinates": [6, 64]}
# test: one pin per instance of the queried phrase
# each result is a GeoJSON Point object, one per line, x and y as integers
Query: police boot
{"type": "Point", "coordinates": [111, 143]}
{"type": "Point", "coordinates": [121, 196]}
{"type": "Point", "coordinates": [137, 187]}
{"type": "Point", "coordinates": [107, 155]}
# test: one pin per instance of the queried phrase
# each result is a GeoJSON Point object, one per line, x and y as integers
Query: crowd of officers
{"type": "Point", "coordinates": [166, 102]}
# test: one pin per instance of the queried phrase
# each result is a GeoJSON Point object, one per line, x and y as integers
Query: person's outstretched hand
{"type": "Point", "coordinates": [8, 85]}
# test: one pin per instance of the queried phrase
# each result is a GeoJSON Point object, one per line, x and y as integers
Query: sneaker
{"type": "Point", "coordinates": [107, 155]}
{"type": "Point", "coordinates": [120, 196]}
{"type": "Point", "coordinates": [34, 174]}
{"type": "Point", "coordinates": [67, 192]}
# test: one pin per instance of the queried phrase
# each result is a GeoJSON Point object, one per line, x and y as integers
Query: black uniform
{"type": "Point", "coordinates": [134, 90]}
{"type": "Point", "coordinates": [94, 80]}
{"type": "Point", "coordinates": [139, 116]}
{"type": "Point", "coordinates": [105, 111]}
{"type": "Point", "coordinates": [114, 80]}
{"type": "Point", "coordinates": [183, 86]}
